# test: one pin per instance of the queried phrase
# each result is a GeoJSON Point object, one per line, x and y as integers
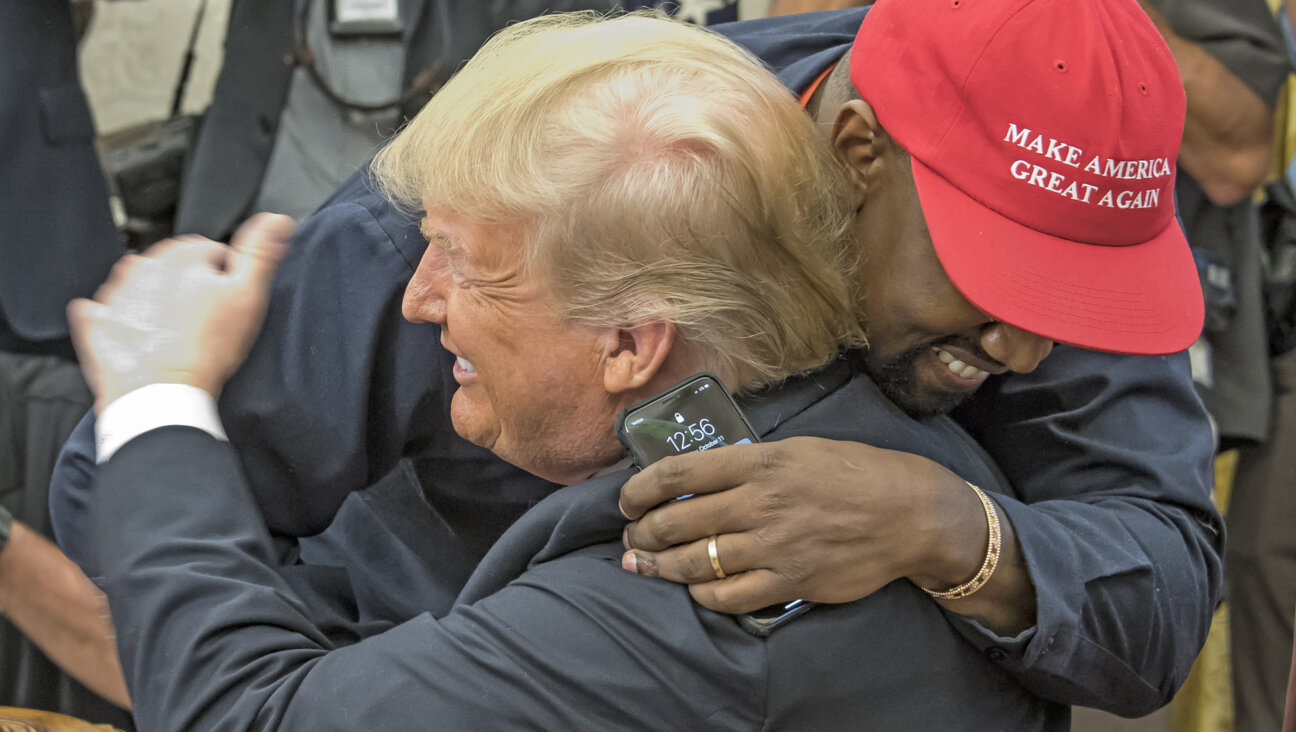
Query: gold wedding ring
{"type": "Point", "coordinates": [715, 558]}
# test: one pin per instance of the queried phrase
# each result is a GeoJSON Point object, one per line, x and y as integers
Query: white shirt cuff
{"type": "Point", "coordinates": [153, 406]}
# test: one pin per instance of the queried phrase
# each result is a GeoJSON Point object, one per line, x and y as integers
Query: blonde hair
{"type": "Point", "coordinates": [662, 175]}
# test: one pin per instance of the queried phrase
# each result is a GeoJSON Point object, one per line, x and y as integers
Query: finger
{"type": "Point", "coordinates": [698, 472]}
{"type": "Point", "coordinates": [676, 565]}
{"type": "Point", "coordinates": [691, 563]}
{"type": "Point", "coordinates": [116, 276]}
{"type": "Point", "coordinates": [678, 522]}
{"type": "Point", "coordinates": [81, 314]}
{"type": "Point", "coordinates": [744, 593]}
{"type": "Point", "coordinates": [184, 255]}
{"type": "Point", "coordinates": [192, 251]}
{"type": "Point", "coordinates": [187, 247]}
{"type": "Point", "coordinates": [259, 245]}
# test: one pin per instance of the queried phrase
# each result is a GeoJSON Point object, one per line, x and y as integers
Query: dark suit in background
{"type": "Point", "coordinates": [57, 242]}
{"type": "Point", "coordinates": [57, 239]}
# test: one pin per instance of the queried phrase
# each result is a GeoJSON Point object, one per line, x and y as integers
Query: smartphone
{"type": "Point", "coordinates": [694, 415]}
{"type": "Point", "coordinates": [766, 620]}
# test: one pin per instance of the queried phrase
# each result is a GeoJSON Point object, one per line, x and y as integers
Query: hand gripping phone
{"type": "Point", "coordinates": [694, 415]}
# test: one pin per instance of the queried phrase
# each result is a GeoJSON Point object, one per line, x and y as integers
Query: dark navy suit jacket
{"type": "Point", "coordinates": [548, 633]}
{"type": "Point", "coordinates": [1108, 456]}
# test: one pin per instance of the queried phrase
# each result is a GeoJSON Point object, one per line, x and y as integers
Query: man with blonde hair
{"type": "Point", "coordinates": [563, 298]}
{"type": "Point", "coordinates": [641, 164]}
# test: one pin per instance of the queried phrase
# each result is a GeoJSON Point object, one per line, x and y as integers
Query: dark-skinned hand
{"type": "Point", "coordinates": [804, 518]}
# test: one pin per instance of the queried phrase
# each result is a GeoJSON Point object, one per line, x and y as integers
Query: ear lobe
{"type": "Point", "coordinates": [635, 355]}
{"type": "Point", "coordinates": [856, 141]}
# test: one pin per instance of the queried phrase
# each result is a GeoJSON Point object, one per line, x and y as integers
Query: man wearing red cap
{"type": "Point", "coordinates": [1014, 167]}
{"type": "Point", "coordinates": [1044, 164]}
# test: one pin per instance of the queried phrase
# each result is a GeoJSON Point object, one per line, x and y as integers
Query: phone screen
{"type": "Point", "coordinates": [695, 415]}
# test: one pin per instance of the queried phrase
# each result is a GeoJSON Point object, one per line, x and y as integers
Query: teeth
{"type": "Point", "coordinates": [464, 364]}
{"type": "Point", "coordinates": [956, 366]}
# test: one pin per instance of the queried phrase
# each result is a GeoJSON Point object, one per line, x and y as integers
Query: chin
{"type": "Point", "coordinates": [921, 405]}
{"type": "Point", "coordinates": [898, 380]}
{"type": "Point", "coordinates": [472, 427]}
{"type": "Point", "coordinates": [476, 437]}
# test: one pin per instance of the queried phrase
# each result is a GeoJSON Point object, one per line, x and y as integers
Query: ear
{"type": "Point", "coordinates": [635, 355]}
{"type": "Point", "coordinates": [857, 141]}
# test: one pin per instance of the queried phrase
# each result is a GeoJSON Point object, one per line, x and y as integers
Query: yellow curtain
{"type": "Point", "coordinates": [1205, 703]}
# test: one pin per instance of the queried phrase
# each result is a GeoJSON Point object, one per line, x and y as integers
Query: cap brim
{"type": "Point", "coordinates": [1143, 298]}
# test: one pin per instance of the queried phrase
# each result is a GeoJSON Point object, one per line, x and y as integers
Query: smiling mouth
{"type": "Point", "coordinates": [464, 364]}
{"type": "Point", "coordinates": [957, 367]}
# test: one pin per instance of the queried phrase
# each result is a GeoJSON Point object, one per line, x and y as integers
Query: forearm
{"type": "Point", "coordinates": [1228, 131]}
{"type": "Point", "coordinates": [51, 601]}
{"type": "Point", "coordinates": [1115, 590]}
{"type": "Point", "coordinates": [1126, 588]}
{"type": "Point", "coordinates": [185, 559]}
{"type": "Point", "coordinates": [958, 545]}
{"type": "Point", "coordinates": [1110, 460]}
{"type": "Point", "coordinates": [1006, 604]}
{"type": "Point", "coordinates": [214, 635]}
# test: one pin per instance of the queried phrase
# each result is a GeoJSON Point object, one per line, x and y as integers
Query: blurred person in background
{"type": "Point", "coordinates": [1234, 64]}
{"type": "Point", "coordinates": [1262, 504]}
{"type": "Point", "coordinates": [57, 242]}
{"type": "Point", "coordinates": [310, 88]}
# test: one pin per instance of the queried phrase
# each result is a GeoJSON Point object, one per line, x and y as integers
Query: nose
{"type": "Point", "coordinates": [1015, 348]}
{"type": "Point", "coordinates": [425, 295]}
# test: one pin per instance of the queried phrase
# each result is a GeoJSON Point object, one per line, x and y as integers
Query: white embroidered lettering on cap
{"type": "Point", "coordinates": [1036, 174]}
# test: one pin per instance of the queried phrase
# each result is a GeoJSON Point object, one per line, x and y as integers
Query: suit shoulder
{"type": "Point", "coordinates": [359, 203]}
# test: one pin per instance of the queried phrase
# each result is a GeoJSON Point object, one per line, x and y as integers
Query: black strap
{"type": "Point", "coordinates": [426, 82]}
{"type": "Point", "coordinates": [178, 97]}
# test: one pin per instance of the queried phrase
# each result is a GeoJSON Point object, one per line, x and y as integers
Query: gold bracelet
{"type": "Point", "coordinates": [991, 558]}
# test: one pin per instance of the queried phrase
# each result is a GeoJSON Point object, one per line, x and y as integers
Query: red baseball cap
{"type": "Point", "coordinates": [1043, 136]}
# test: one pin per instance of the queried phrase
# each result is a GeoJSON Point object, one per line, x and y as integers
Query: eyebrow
{"type": "Point", "coordinates": [438, 239]}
